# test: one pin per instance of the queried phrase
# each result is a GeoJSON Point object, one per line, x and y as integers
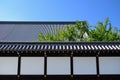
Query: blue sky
{"type": "Point", "coordinates": [61, 10]}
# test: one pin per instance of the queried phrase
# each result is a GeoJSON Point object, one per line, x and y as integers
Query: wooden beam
{"type": "Point", "coordinates": [45, 66]}
{"type": "Point", "coordinates": [71, 65]}
{"type": "Point", "coordinates": [97, 66]}
{"type": "Point", "coordinates": [19, 66]}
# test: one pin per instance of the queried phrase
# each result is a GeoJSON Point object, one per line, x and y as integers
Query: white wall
{"type": "Point", "coordinates": [84, 65]}
{"type": "Point", "coordinates": [8, 65]}
{"type": "Point", "coordinates": [58, 65]}
{"type": "Point", "coordinates": [109, 65]}
{"type": "Point", "coordinates": [32, 65]}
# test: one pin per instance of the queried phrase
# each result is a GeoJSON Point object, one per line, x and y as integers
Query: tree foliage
{"type": "Point", "coordinates": [104, 32]}
{"type": "Point", "coordinates": [82, 32]}
{"type": "Point", "coordinates": [69, 33]}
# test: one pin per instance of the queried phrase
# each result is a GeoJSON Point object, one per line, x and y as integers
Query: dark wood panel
{"type": "Point", "coordinates": [8, 77]}
{"type": "Point", "coordinates": [58, 77]}
{"type": "Point", "coordinates": [32, 77]}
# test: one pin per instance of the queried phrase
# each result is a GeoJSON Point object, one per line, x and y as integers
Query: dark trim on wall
{"type": "Point", "coordinates": [60, 77]}
{"type": "Point", "coordinates": [19, 67]}
{"type": "Point", "coordinates": [45, 66]}
{"type": "Point", "coordinates": [97, 66]}
{"type": "Point", "coordinates": [71, 65]}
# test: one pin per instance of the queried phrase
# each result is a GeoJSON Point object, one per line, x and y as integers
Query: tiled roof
{"type": "Point", "coordinates": [62, 48]}
{"type": "Point", "coordinates": [28, 31]}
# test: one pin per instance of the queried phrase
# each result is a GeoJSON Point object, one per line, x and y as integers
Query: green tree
{"type": "Point", "coordinates": [82, 32]}
{"type": "Point", "coordinates": [70, 33]}
{"type": "Point", "coordinates": [104, 32]}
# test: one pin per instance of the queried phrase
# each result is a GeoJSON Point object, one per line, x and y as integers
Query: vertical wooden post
{"type": "Point", "coordinates": [71, 65]}
{"type": "Point", "coordinates": [19, 66]}
{"type": "Point", "coordinates": [45, 66]}
{"type": "Point", "coordinates": [97, 66]}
